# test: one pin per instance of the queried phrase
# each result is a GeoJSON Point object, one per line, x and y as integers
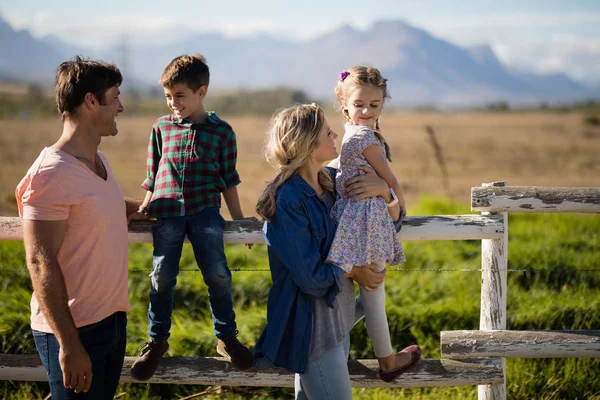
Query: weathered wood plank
{"type": "Point", "coordinates": [494, 281]}
{"type": "Point", "coordinates": [494, 263]}
{"type": "Point", "coordinates": [451, 227]}
{"type": "Point", "coordinates": [217, 371]}
{"type": "Point", "coordinates": [520, 344]}
{"type": "Point", "coordinates": [536, 199]}
{"type": "Point", "coordinates": [10, 228]}
{"type": "Point", "coordinates": [440, 227]}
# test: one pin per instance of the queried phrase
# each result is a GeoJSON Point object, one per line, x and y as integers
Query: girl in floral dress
{"type": "Point", "coordinates": [365, 233]}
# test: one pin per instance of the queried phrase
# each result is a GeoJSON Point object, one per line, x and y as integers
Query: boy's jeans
{"type": "Point", "coordinates": [105, 343]}
{"type": "Point", "coordinates": [205, 232]}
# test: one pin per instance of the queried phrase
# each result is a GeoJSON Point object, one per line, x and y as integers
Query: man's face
{"type": "Point", "coordinates": [110, 106]}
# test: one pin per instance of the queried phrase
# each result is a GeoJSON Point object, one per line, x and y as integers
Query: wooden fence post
{"type": "Point", "coordinates": [494, 262]}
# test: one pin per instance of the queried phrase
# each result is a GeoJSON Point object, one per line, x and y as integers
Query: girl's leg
{"type": "Point", "coordinates": [375, 317]}
{"type": "Point", "coordinates": [378, 329]}
{"type": "Point", "coordinates": [328, 377]}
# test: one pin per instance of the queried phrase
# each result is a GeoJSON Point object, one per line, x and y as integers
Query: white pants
{"type": "Point", "coordinates": [375, 317]}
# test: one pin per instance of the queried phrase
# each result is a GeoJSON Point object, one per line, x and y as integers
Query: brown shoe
{"type": "Point", "coordinates": [415, 355]}
{"type": "Point", "coordinates": [234, 351]}
{"type": "Point", "coordinates": [145, 365]}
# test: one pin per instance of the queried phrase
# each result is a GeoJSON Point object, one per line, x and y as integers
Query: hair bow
{"type": "Point", "coordinates": [343, 75]}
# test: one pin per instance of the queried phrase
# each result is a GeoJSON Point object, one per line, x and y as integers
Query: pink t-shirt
{"type": "Point", "coordinates": [93, 256]}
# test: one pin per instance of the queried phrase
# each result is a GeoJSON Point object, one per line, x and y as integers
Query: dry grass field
{"type": "Point", "coordinates": [559, 253]}
{"type": "Point", "coordinates": [537, 148]}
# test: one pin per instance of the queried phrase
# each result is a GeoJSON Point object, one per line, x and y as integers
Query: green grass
{"type": "Point", "coordinates": [551, 285]}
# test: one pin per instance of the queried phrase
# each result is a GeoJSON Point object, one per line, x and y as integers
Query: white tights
{"type": "Point", "coordinates": [375, 317]}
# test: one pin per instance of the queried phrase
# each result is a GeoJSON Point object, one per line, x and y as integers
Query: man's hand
{"type": "Point", "coordinates": [76, 367]}
{"type": "Point", "coordinates": [137, 216]}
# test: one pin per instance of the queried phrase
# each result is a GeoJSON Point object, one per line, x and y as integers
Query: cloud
{"type": "Point", "coordinates": [107, 31]}
{"type": "Point", "coordinates": [526, 41]}
{"type": "Point", "coordinates": [578, 57]}
{"type": "Point", "coordinates": [514, 20]}
{"type": "Point", "coordinates": [543, 43]}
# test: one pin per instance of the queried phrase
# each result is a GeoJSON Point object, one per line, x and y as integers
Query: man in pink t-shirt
{"type": "Point", "coordinates": [75, 234]}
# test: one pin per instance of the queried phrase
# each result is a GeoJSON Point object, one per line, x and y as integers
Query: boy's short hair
{"type": "Point", "coordinates": [77, 77]}
{"type": "Point", "coordinates": [189, 69]}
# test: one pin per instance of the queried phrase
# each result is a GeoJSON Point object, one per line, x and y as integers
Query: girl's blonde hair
{"type": "Point", "coordinates": [292, 137]}
{"type": "Point", "coordinates": [357, 76]}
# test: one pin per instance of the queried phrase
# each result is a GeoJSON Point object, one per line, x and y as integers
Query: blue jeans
{"type": "Point", "coordinates": [205, 232]}
{"type": "Point", "coordinates": [105, 343]}
{"type": "Point", "coordinates": [326, 377]}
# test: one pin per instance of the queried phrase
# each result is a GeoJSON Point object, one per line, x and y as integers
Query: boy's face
{"type": "Point", "coordinates": [184, 102]}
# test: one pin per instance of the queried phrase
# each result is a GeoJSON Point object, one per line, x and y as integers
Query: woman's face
{"type": "Point", "coordinates": [326, 150]}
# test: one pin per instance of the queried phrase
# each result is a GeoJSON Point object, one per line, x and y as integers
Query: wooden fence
{"type": "Point", "coordinates": [468, 357]}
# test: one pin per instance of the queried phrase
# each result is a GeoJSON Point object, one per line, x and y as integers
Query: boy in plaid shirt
{"type": "Point", "coordinates": [191, 161]}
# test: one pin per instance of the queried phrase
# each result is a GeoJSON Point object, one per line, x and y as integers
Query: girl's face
{"type": "Point", "coordinates": [326, 150]}
{"type": "Point", "coordinates": [364, 105]}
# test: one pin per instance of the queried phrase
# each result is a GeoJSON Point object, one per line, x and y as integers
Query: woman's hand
{"type": "Point", "coordinates": [370, 184]}
{"type": "Point", "coordinates": [367, 185]}
{"type": "Point", "coordinates": [367, 276]}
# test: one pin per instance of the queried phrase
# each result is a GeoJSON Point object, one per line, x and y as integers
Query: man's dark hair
{"type": "Point", "coordinates": [77, 77]}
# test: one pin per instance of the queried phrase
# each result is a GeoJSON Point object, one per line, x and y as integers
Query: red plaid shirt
{"type": "Point", "coordinates": [189, 165]}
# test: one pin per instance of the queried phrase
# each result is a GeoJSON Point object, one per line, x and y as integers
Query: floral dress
{"type": "Point", "coordinates": [365, 231]}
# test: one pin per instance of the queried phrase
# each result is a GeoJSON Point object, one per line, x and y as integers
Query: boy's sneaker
{"type": "Point", "coordinates": [234, 351]}
{"type": "Point", "coordinates": [145, 365]}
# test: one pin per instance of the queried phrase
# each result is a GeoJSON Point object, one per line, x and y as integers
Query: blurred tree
{"type": "Point", "coordinates": [35, 94]}
{"type": "Point", "coordinates": [499, 106]}
{"type": "Point", "coordinates": [263, 102]}
{"type": "Point", "coordinates": [591, 120]}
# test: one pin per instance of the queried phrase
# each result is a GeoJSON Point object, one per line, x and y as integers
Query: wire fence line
{"type": "Point", "coordinates": [238, 267]}
{"type": "Point", "coordinates": [392, 269]}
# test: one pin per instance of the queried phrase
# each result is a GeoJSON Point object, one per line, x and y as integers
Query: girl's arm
{"type": "Point", "coordinates": [377, 160]}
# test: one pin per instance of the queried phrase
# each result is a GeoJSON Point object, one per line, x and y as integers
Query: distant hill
{"type": "Point", "coordinates": [421, 69]}
{"type": "Point", "coordinates": [24, 57]}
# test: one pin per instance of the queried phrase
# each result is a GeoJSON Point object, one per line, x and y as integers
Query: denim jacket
{"type": "Point", "coordinates": [298, 237]}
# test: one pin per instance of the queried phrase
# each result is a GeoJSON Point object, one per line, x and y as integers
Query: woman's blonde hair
{"type": "Point", "coordinates": [292, 137]}
{"type": "Point", "coordinates": [357, 76]}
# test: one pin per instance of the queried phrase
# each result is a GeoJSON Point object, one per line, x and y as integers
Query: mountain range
{"type": "Point", "coordinates": [421, 69]}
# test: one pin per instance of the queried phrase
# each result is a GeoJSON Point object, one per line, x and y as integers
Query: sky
{"type": "Point", "coordinates": [535, 36]}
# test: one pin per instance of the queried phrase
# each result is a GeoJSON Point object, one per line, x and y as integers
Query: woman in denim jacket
{"type": "Point", "coordinates": [311, 306]}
